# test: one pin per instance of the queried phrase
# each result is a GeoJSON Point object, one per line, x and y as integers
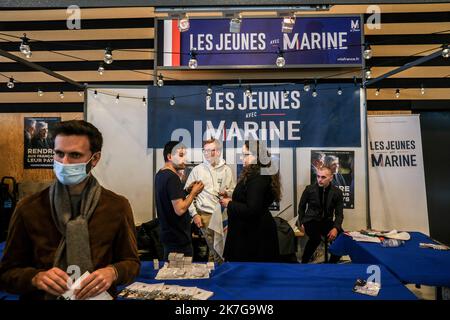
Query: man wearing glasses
{"type": "Point", "coordinates": [217, 178]}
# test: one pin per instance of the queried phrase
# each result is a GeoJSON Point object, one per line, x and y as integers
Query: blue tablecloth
{"type": "Point", "coordinates": [276, 281]}
{"type": "Point", "coordinates": [409, 263]}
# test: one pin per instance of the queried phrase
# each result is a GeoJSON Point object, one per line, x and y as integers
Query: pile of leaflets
{"type": "Point", "coordinates": [161, 291]}
{"type": "Point", "coordinates": [367, 287]}
{"type": "Point", "coordinates": [180, 267]}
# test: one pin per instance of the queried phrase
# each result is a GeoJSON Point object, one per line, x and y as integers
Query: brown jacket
{"type": "Point", "coordinates": [33, 239]}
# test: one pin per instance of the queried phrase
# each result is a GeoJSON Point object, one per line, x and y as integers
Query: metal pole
{"type": "Point", "coordinates": [37, 67]}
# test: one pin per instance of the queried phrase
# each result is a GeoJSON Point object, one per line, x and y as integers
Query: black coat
{"type": "Point", "coordinates": [310, 209]}
{"type": "Point", "coordinates": [252, 233]}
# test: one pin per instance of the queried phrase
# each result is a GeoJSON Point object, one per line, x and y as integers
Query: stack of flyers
{"type": "Point", "coordinates": [369, 288]}
{"type": "Point", "coordinates": [142, 291]}
{"type": "Point", "coordinates": [191, 271]}
{"type": "Point", "coordinates": [161, 291]}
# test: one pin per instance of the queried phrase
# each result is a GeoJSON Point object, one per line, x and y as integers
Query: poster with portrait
{"type": "Point", "coordinates": [341, 164]}
{"type": "Point", "coordinates": [38, 142]}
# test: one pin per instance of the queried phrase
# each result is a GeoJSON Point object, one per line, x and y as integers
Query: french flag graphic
{"type": "Point", "coordinates": [171, 56]}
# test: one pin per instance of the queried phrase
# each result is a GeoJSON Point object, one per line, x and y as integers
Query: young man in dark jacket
{"type": "Point", "coordinates": [321, 212]}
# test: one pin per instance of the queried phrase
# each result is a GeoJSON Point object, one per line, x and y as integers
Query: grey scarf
{"type": "Point", "coordinates": [74, 248]}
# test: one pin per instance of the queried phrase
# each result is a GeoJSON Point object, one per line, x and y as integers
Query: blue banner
{"type": "Point", "coordinates": [286, 113]}
{"type": "Point", "coordinates": [314, 41]}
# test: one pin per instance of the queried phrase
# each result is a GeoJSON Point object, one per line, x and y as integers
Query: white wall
{"type": "Point", "coordinates": [126, 163]}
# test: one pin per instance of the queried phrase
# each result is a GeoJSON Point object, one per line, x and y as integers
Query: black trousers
{"type": "Point", "coordinates": [315, 230]}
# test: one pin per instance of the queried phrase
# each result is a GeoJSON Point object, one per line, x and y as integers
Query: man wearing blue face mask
{"type": "Point", "coordinates": [75, 225]}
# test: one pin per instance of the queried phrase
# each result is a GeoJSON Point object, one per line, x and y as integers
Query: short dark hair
{"type": "Point", "coordinates": [326, 168]}
{"type": "Point", "coordinates": [168, 148]}
{"type": "Point", "coordinates": [80, 128]}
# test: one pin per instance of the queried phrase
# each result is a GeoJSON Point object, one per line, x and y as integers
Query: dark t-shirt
{"type": "Point", "coordinates": [175, 229]}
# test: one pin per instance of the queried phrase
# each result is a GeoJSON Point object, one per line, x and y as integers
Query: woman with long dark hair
{"type": "Point", "coordinates": [252, 233]}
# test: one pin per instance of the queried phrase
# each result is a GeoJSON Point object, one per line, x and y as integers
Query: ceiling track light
{"type": "Point", "coordinates": [397, 93]}
{"type": "Point", "coordinates": [287, 25]}
{"type": "Point", "coordinates": [95, 94]}
{"type": "Point", "coordinates": [183, 23]}
{"type": "Point", "coordinates": [40, 93]}
{"type": "Point", "coordinates": [377, 92]}
{"type": "Point", "coordinates": [235, 24]}
{"type": "Point", "coordinates": [117, 98]}
{"type": "Point", "coordinates": [144, 101]}
{"type": "Point", "coordinates": [61, 94]}
{"type": "Point", "coordinates": [339, 92]}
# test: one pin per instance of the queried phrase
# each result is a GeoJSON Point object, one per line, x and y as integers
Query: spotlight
{"type": "Point", "coordinates": [280, 62]}
{"type": "Point", "coordinates": [80, 93]}
{"type": "Point", "coordinates": [95, 94]}
{"type": "Point", "coordinates": [397, 93]}
{"type": "Point", "coordinates": [288, 24]}
{"type": "Point", "coordinates": [208, 97]}
{"type": "Point", "coordinates": [25, 46]}
{"type": "Point", "coordinates": [235, 24]}
{"type": "Point", "coordinates": [40, 93]}
{"type": "Point", "coordinates": [172, 101]}
{"type": "Point", "coordinates": [144, 101]}
{"type": "Point", "coordinates": [314, 93]}
{"type": "Point", "coordinates": [61, 94]}
{"type": "Point", "coordinates": [367, 53]}
{"type": "Point", "coordinates": [160, 81]}
{"type": "Point", "coordinates": [377, 92]}
{"type": "Point", "coordinates": [10, 83]}
{"type": "Point", "coordinates": [368, 73]}
{"type": "Point", "coordinates": [108, 56]}
{"type": "Point", "coordinates": [445, 51]}
{"type": "Point", "coordinates": [193, 64]}
{"type": "Point", "coordinates": [285, 94]}
{"type": "Point", "coordinates": [117, 98]}
{"type": "Point", "coordinates": [339, 92]}
{"type": "Point", "coordinates": [101, 69]}
{"type": "Point", "coordinates": [183, 23]}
